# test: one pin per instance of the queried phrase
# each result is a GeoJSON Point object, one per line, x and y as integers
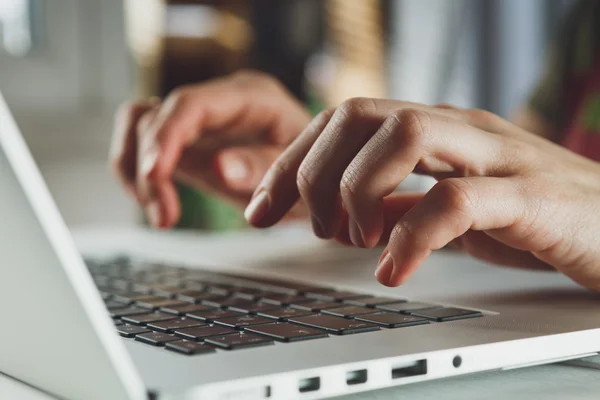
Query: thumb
{"type": "Point", "coordinates": [241, 169]}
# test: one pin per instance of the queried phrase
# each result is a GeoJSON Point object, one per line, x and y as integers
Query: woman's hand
{"type": "Point", "coordinates": [220, 136]}
{"type": "Point", "coordinates": [503, 194]}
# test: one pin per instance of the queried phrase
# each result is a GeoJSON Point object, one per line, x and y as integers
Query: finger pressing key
{"type": "Point", "coordinates": [278, 191]}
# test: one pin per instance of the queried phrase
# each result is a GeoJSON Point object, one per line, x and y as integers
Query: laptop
{"type": "Point", "coordinates": [124, 327]}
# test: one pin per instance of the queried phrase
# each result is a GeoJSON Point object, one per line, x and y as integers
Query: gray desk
{"type": "Point", "coordinates": [569, 380]}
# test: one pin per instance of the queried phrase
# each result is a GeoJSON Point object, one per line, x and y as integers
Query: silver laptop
{"type": "Point", "coordinates": [122, 327]}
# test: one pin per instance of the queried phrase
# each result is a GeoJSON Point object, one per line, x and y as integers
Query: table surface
{"type": "Point", "coordinates": [579, 379]}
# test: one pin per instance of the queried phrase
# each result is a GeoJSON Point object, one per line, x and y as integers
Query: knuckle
{"type": "Point", "coordinates": [446, 106]}
{"type": "Point", "coordinates": [179, 94]}
{"type": "Point", "coordinates": [456, 194]}
{"type": "Point", "coordinates": [413, 126]}
{"type": "Point", "coordinates": [483, 117]}
{"type": "Point", "coordinates": [353, 108]}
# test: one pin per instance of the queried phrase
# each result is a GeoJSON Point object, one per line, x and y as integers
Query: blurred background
{"type": "Point", "coordinates": [66, 65]}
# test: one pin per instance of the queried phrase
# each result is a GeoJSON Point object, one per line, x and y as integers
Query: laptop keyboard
{"type": "Point", "coordinates": [193, 312]}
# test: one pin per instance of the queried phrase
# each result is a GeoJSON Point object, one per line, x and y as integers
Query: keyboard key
{"type": "Point", "coordinates": [144, 283]}
{"type": "Point", "coordinates": [283, 314]}
{"type": "Point", "coordinates": [284, 300]}
{"type": "Point", "coordinates": [243, 320]}
{"type": "Point", "coordinates": [281, 286]}
{"type": "Point", "coordinates": [274, 285]}
{"type": "Point", "coordinates": [213, 314]}
{"type": "Point", "coordinates": [373, 301]}
{"type": "Point", "coordinates": [316, 305]}
{"type": "Point", "coordinates": [226, 302]}
{"type": "Point", "coordinates": [130, 331]}
{"type": "Point", "coordinates": [406, 307]}
{"type": "Point", "coordinates": [132, 297]}
{"type": "Point", "coordinates": [186, 308]}
{"type": "Point", "coordinates": [447, 314]}
{"type": "Point", "coordinates": [252, 293]}
{"type": "Point", "coordinates": [176, 284]}
{"type": "Point", "coordinates": [204, 332]}
{"type": "Point", "coordinates": [223, 290]}
{"type": "Point", "coordinates": [335, 325]}
{"type": "Point", "coordinates": [195, 296]}
{"type": "Point", "coordinates": [253, 308]}
{"type": "Point", "coordinates": [167, 291]}
{"type": "Point", "coordinates": [239, 340]}
{"type": "Point", "coordinates": [156, 338]}
{"type": "Point", "coordinates": [335, 295]}
{"type": "Point", "coordinates": [141, 288]}
{"type": "Point", "coordinates": [115, 305]}
{"type": "Point", "coordinates": [286, 332]}
{"type": "Point", "coordinates": [125, 312]}
{"type": "Point", "coordinates": [392, 320]}
{"type": "Point", "coordinates": [160, 302]}
{"type": "Point", "coordinates": [124, 295]}
{"type": "Point", "coordinates": [172, 325]}
{"type": "Point", "coordinates": [348, 311]}
{"type": "Point", "coordinates": [118, 322]}
{"type": "Point", "coordinates": [189, 347]}
{"type": "Point", "coordinates": [190, 285]}
{"type": "Point", "coordinates": [146, 318]}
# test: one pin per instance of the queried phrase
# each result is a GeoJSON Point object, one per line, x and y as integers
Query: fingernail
{"type": "Point", "coordinates": [236, 169]}
{"type": "Point", "coordinates": [355, 233]}
{"type": "Point", "coordinates": [257, 208]}
{"type": "Point", "coordinates": [153, 213]}
{"type": "Point", "coordinates": [384, 268]}
{"type": "Point", "coordinates": [317, 227]}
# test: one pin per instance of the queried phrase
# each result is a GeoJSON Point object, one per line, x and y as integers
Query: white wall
{"type": "Point", "coordinates": [63, 95]}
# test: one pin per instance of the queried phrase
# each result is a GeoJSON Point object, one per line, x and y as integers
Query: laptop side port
{"type": "Point", "coordinates": [309, 384]}
{"type": "Point", "coordinates": [356, 377]}
{"type": "Point", "coordinates": [409, 368]}
{"type": "Point", "coordinates": [257, 392]}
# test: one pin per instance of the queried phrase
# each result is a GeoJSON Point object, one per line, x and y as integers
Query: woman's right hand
{"type": "Point", "coordinates": [220, 136]}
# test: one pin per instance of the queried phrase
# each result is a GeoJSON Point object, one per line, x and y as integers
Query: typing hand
{"type": "Point", "coordinates": [219, 136]}
{"type": "Point", "coordinates": [503, 194]}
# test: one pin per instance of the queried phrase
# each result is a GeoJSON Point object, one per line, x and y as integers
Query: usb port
{"type": "Point", "coordinates": [309, 384]}
{"type": "Point", "coordinates": [410, 368]}
{"type": "Point", "coordinates": [356, 377]}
